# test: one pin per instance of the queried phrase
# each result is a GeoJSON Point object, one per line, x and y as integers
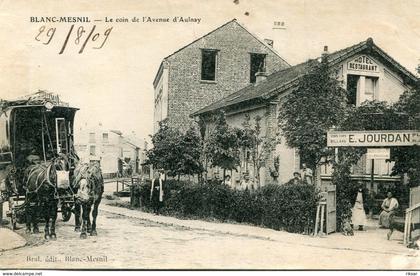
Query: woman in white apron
{"type": "Point", "coordinates": [358, 213]}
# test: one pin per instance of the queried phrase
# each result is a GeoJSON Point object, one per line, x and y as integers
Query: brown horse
{"type": "Point", "coordinates": [41, 197]}
{"type": "Point", "coordinates": [89, 187]}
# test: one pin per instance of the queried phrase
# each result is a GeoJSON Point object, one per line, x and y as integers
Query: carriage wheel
{"type": "Point", "coordinates": [65, 212]}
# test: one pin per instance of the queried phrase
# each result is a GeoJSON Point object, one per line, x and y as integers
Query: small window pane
{"type": "Point", "coordinates": [105, 137]}
{"type": "Point", "coordinates": [92, 150]}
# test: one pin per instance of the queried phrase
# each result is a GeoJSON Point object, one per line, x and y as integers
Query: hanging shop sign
{"type": "Point", "coordinates": [383, 138]}
{"type": "Point", "coordinates": [378, 153]}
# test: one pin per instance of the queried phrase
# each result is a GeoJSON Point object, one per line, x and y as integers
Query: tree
{"type": "Point", "coordinates": [251, 141]}
{"type": "Point", "coordinates": [222, 146]}
{"type": "Point", "coordinates": [206, 127]}
{"type": "Point", "coordinates": [407, 159]}
{"type": "Point", "coordinates": [165, 153]}
{"type": "Point", "coordinates": [309, 111]}
{"type": "Point", "coordinates": [177, 153]}
{"type": "Point", "coordinates": [190, 147]}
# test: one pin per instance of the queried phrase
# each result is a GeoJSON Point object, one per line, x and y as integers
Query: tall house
{"type": "Point", "coordinates": [366, 71]}
{"type": "Point", "coordinates": [208, 69]}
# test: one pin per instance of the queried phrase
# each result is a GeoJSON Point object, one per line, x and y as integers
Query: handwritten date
{"type": "Point", "coordinates": [80, 36]}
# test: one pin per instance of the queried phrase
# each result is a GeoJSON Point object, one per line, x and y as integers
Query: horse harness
{"type": "Point", "coordinates": [46, 179]}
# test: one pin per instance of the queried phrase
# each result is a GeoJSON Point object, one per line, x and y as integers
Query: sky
{"type": "Point", "coordinates": [113, 85]}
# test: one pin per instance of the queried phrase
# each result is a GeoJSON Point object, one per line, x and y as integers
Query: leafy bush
{"type": "Point", "coordinates": [281, 207]}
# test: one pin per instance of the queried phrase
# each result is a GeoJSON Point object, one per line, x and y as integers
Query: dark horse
{"type": "Point", "coordinates": [41, 197]}
{"type": "Point", "coordinates": [88, 185]}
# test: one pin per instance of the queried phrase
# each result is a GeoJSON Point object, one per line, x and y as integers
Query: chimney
{"type": "Point", "coordinates": [325, 52]}
{"type": "Point", "coordinates": [260, 77]}
{"type": "Point", "coordinates": [269, 42]}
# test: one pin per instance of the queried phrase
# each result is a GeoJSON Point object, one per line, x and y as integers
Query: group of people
{"type": "Point", "coordinates": [389, 207]}
{"type": "Point", "coordinates": [359, 218]}
{"type": "Point", "coordinates": [305, 175]}
{"type": "Point", "coordinates": [245, 184]}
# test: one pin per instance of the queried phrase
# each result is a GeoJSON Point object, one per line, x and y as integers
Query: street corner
{"type": "Point", "coordinates": [10, 240]}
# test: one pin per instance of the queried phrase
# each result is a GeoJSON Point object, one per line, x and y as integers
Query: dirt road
{"type": "Point", "coordinates": [124, 242]}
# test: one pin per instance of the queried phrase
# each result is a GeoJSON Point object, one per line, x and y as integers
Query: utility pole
{"type": "Point", "coordinates": [372, 174]}
{"type": "Point", "coordinates": [1, 211]}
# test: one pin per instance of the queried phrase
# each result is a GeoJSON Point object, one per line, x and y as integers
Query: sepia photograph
{"type": "Point", "coordinates": [209, 135]}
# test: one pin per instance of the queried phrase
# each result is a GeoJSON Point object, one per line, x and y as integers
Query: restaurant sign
{"type": "Point", "coordinates": [363, 63]}
{"type": "Point", "coordinates": [382, 138]}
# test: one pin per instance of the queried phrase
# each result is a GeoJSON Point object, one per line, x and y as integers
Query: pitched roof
{"type": "Point", "coordinates": [218, 28]}
{"type": "Point", "coordinates": [254, 91]}
{"type": "Point", "coordinates": [279, 81]}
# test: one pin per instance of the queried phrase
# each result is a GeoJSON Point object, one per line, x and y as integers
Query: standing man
{"type": "Point", "coordinates": [306, 174]}
{"type": "Point", "coordinates": [296, 180]}
{"type": "Point", "coordinates": [156, 191]}
{"type": "Point", "coordinates": [120, 167]}
{"type": "Point", "coordinates": [247, 183]}
{"type": "Point", "coordinates": [227, 181]}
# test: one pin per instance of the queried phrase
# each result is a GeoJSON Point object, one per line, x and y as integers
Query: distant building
{"type": "Point", "coordinates": [208, 69]}
{"type": "Point", "coordinates": [366, 71]}
{"type": "Point", "coordinates": [111, 147]}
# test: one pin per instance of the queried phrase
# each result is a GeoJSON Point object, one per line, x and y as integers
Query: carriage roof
{"type": "Point", "coordinates": [39, 99]}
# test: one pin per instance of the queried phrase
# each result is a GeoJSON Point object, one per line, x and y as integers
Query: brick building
{"type": "Point", "coordinates": [366, 71]}
{"type": "Point", "coordinates": [208, 69]}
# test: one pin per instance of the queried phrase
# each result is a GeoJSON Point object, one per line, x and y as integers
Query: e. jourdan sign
{"type": "Point", "coordinates": [372, 138]}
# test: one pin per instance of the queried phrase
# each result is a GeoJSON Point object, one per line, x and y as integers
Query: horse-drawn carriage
{"type": "Point", "coordinates": [37, 129]}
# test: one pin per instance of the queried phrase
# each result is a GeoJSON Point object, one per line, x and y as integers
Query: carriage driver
{"type": "Point", "coordinates": [33, 158]}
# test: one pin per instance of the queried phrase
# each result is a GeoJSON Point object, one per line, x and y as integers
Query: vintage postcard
{"type": "Point", "coordinates": [215, 135]}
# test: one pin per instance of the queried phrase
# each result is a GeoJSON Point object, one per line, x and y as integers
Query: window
{"type": "Point", "coordinates": [208, 65]}
{"type": "Point", "coordinates": [360, 89]}
{"type": "Point", "coordinates": [381, 167]}
{"type": "Point", "coordinates": [92, 137]}
{"type": "Point", "coordinates": [352, 81]}
{"type": "Point", "coordinates": [92, 150]}
{"type": "Point", "coordinates": [61, 135]}
{"type": "Point", "coordinates": [4, 135]}
{"type": "Point", "coordinates": [257, 65]}
{"type": "Point", "coordinates": [370, 85]}
{"type": "Point", "coordinates": [105, 137]}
